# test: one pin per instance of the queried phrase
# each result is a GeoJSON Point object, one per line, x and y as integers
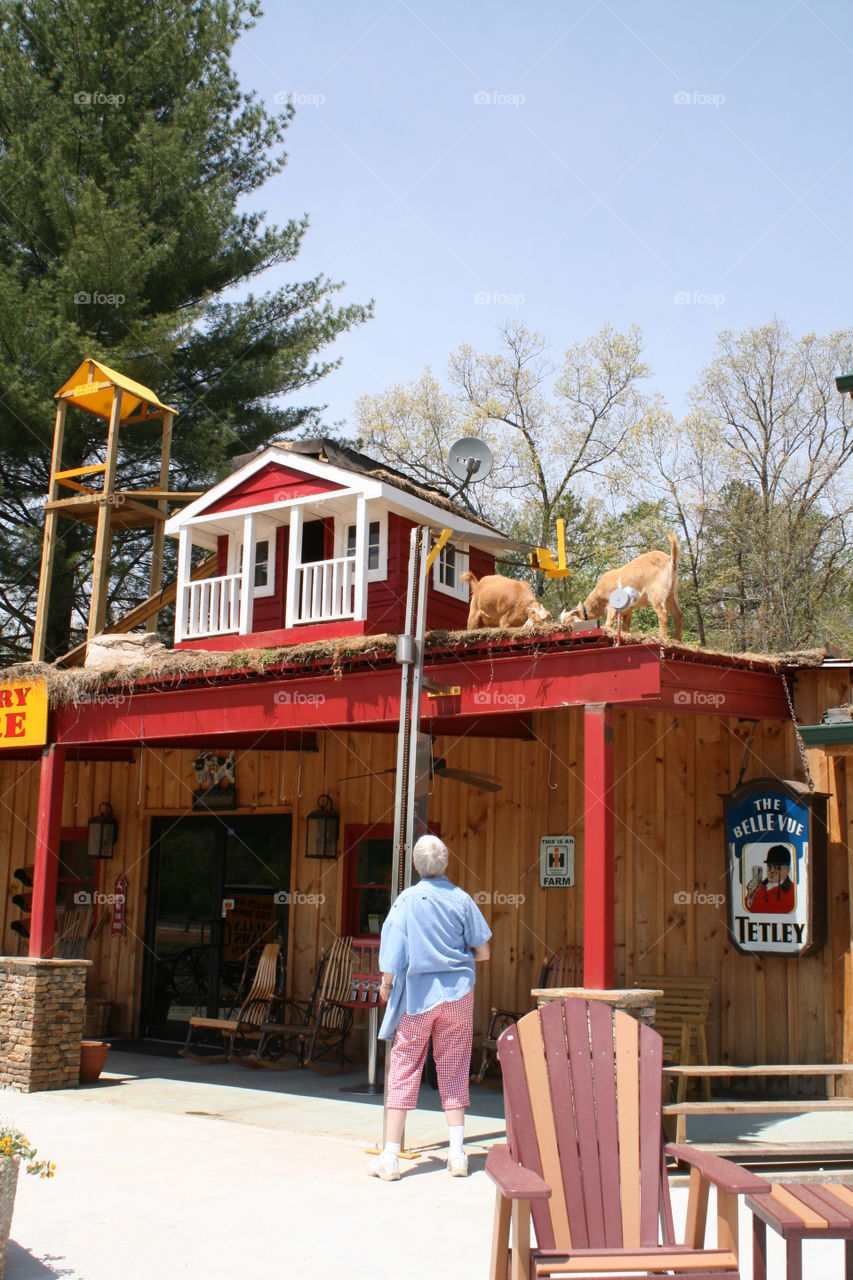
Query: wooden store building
{"type": "Point", "coordinates": [621, 794]}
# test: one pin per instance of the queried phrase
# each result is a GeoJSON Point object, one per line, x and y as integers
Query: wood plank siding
{"type": "Point", "coordinates": [669, 773]}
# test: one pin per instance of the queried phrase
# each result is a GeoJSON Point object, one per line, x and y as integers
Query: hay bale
{"type": "Point", "coordinates": [109, 652]}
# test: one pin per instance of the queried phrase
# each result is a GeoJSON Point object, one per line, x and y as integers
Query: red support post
{"type": "Point", "coordinates": [46, 864]}
{"type": "Point", "coordinates": [598, 857]}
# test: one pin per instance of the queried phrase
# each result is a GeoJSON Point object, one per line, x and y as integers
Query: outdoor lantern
{"type": "Point", "coordinates": [103, 833]}
{"type": "Point", "coordinates": [321, 830]}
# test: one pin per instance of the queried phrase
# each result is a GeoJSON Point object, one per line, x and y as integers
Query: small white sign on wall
{"type": "Point", "coordinates": [556, 862]}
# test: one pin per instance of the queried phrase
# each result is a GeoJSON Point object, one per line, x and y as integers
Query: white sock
{"type": "Point", "coordinates": [391, 1150]}
{"type": "Point", "coordinates": [456, 1133]}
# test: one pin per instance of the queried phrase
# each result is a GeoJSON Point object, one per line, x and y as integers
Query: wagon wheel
{"type": "Point", "coordinates": [189, 976]}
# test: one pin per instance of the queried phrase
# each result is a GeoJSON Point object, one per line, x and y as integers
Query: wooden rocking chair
{"type": "Point", "coordinates": [243, 1023]}
{"type": "Point", "coordinates": [563, 969]}
{"type": "Point", "coordinates": [320, 1026]}
{"type": "Point", "coordinates": [586, 1160]}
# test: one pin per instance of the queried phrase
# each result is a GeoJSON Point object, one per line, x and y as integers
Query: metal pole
{"type": "Point", "coordinates": [409, 806]}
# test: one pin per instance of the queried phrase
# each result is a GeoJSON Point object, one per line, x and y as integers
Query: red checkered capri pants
{"type": "Point", "coordinates": [451, 1026]}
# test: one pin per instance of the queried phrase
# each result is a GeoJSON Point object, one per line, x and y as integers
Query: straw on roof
{"type": "Point", "coordinates": [77, 685]}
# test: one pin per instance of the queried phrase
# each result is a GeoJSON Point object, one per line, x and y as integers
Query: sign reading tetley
{"type": "Point", "coordinates": [776, 867]}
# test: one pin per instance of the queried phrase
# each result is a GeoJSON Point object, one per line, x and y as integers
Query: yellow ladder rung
{"type": "Point", "coordinates": [80, 471]}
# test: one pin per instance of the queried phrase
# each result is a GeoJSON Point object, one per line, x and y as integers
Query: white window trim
{"type": "Point", "coordinates": [460, 591]}
{"type": "Point", "coordinates": [264, 533]}
{"type": "Point", "coordinates": [342, 525]}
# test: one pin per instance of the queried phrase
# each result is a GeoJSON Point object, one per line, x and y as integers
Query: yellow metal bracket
{"type": "Point", "coordinates": [444, 691]}
{"type": "Point", "coordinates": [443, 538]}
{"type": "Point", "coordinates": [543, 561]}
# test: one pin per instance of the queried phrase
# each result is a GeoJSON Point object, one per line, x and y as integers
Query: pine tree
{"type": "Point", "coordinates": [128, 152]}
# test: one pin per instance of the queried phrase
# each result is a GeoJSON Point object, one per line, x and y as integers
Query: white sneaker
{"type": "Point", "coordinates": [458, 1166]}
{"type": "Point", "coordinates": [385, 1167]}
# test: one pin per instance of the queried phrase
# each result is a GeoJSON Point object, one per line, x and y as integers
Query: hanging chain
{"type": "Point", "coordinates": [801, 746]}
{"type": "Point", "coordinates": [746, 754]}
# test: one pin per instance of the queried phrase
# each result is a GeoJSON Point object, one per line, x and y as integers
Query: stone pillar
{"type": "Point", "coordinates": [42, 1006]}
{"type": "Point", "coordinates": [637, 1001]}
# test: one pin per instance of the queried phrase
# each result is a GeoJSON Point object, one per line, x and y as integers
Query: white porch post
{"type": "Point", "coordinates": [247, 575]}
{"type": "Point", "coordinates": [182, 596]}
{"type": "Point", "coordinates": [294, 557]}
{"type": "Point", "coordinates": [361, 552]}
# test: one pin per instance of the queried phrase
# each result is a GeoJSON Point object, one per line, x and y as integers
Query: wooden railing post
{"type": "Point", "coordinates": [46, 863]}
{"type": "Point", "coordinates": [182, 585]}
{"type": "Point", "coordinates": [294, 558]}
{"type": "Point", "coordinates": [598, 851]}
{"type": "Point", "coordinates": [247, 575]}
{"type": "Point", "coordinates": [361, 554]}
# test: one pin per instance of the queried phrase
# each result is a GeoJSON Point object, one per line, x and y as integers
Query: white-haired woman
{"type": "Point", "coordinates": [433, 934]}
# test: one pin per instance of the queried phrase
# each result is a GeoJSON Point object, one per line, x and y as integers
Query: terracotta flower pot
{"type": "Point", "coordinates": [93, 1055]}
{"type": "Point", "coordinates": [9, 1166]}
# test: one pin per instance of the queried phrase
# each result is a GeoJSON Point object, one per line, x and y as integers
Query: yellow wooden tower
{"type": "Point", "coordinates": [122, 404]}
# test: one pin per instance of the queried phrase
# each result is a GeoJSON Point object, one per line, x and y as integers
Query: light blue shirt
{"type": "Point", "coordinates": [427, 939]}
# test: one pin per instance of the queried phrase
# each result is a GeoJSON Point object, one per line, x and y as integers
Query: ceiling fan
{"type": "Point", "coordinates": [438, 769]}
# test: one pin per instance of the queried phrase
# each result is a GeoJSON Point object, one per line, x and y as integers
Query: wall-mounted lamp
{"type": "Point", "coordinates": [321, 830]}
{"type": "Point", "coordinates": [103, 833]}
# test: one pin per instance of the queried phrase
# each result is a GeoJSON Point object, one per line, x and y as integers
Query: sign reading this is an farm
{"type": "Point", "coordinates": [23, 713]}
{"type": "Point", "coordinates": [556, 862]}
{"type": "Point", "coordinates": [776, 867]}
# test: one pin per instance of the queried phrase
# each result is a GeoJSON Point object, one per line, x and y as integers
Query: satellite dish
{"type": "Point", "coordinates": [469, 459]}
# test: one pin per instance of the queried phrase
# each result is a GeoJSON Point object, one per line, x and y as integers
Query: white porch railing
{"type": "Point", "coordinates": [212, 607]}
{"type": "Point", "coordinates": [325, 590]}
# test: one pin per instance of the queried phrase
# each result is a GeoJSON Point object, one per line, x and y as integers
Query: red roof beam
{"type": "Point", "coordinates": [520, 682]}
{"type": "Point", "coordinates": [702, 689]}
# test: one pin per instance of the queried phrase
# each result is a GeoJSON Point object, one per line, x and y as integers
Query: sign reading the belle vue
{"type": "Point", "coordinates": [776, 867]}
{"type": "Point", "coordinates": [23, 713]}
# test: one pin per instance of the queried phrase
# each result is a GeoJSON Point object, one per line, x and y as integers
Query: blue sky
{"type": "Point", "coordinates": [684, 167]}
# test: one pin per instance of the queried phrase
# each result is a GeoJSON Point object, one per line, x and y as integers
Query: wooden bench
{"type": "Point", "coordinates": [760, 1106]}
{"type": "Point", "coordinates": [681, 1015]}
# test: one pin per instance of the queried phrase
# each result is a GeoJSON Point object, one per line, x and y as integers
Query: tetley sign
{"type": "Point", "coordinates": [776, 867]}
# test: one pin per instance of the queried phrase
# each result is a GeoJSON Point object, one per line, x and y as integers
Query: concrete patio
{"type": "Point", "coordinates": [171, 1168]}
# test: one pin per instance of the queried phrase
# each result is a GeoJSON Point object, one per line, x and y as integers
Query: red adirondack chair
{"type": "Point", "coordinates": [585, 1158]}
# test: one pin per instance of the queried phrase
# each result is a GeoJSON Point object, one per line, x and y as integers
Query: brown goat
{"type": "Point", "coordinates": [654, 575]}
{"type": "Point", "coordinates": [497, 601]}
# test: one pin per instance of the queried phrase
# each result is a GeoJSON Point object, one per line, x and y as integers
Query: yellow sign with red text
{"type": "Point", "coordinates": [23, 713]}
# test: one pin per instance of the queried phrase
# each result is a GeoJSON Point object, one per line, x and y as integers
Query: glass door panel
{"type": "Point", "coordinates": [256, 891]}
{"type": "Point", "coordinates": [184, 933]}
{"type": "Point", "coordinates": [218, 887]}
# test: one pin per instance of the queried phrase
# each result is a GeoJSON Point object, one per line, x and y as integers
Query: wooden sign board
{"type": "Point", "coordinates": [23, 713]}
{"type": "Point", "coordinates": [250, 919]}
{"type": "Point", "coordinates": [776, 867]}
{"type": "Point", "coordinates": [556, 862]}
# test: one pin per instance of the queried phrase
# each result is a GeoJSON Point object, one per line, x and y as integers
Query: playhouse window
{"type": "Point", "coordinates": [377, 547]}
{"type": "Point", "coordinates": [452, 561]}
{"type": "Point", "coordinates": [264, 584]}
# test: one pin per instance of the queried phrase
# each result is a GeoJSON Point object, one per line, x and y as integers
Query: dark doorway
{"type": "Point", "coordinates": [217, 887]}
